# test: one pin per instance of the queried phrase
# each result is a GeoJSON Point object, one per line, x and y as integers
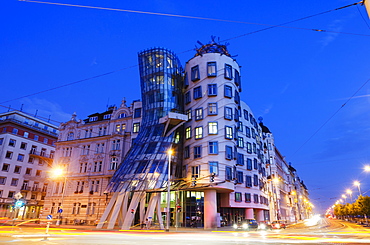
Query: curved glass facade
{"type": "Point", "coordinates": [145, 165]}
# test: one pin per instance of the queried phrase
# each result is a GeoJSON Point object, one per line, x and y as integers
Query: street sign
{"type": "Point", "coordinates": [49, 217]}
{"type": "Point", "coordinates": [60, 210]}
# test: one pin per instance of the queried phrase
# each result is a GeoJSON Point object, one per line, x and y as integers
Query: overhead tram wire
{"type": "Point", "coordinates": [345, 103]}
{"type": "Point", "coordinates": [183, 16]}
{"type": "Point", "coordinates": [211, 19]}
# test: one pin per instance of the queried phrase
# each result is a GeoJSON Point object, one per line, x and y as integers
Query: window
{"type": "Point", "coordinates": [213, 147]}
{"type": "Point", "coordinates": [212, 128]}
{"type": "Point", "coordinates": [188, 113]}
{"type": "Point", "coordinates": [195, 171]}
{"type": "Point", "coordinates": [9, 155]}
{"type": "Point", "coordinates": [228, 91]}
{"type": "Point", "coordinates": [11, 194]}
{"type": "Point", "coordinates": [248, 181]}
{"type": "Point", "coordinates": [255, 198]}
{"type": "Point", "coordinates": [212, 109]}
{"type": "Point", "coordinates": [212, 89]}
{"type": "Point", "coordinates": [188, 133]}
{"type": "Point", "coordinates": [228, 152]}
{"type": "Point", "coordinates": [107, 116]}
{"type": "Point", "coordinates": [20, 157]}
{"type": "Point", "coordinates": [36, 137]}
{"type": "Point", "coordinates": [5, 167]}
{"type": "Point", "coordinates": [2, 180]}
{"type": "Point", "coordinates": [249, 147]}
{"type": "Point", "coordinates": [246, 115]}
{"type": "Point", "coordinates": [38, 172]}
{"type": "Point", "coordinates": [1, 141]}
{"type": "Point", "coordinates": [187, 152]}
{"type": "Point", "coordinates": [240, 142]}
{"type": "Point", "coordinates": [14, 182]}
{"type": "Point", "coordinates": [122, 115]}
{"type": "Point", "coordinates": [186, 80]}
{"type": "Point", "coordinates": [136, 127]}
{"type": "Point", "coordinates": [254, 148]}
{"type": "Point", "coordinates": [213, 168]}
{"type": "Point", "coordinates": [93, 119]}
{"type": "Point", "coordinates": [247, 197]}
{"type": "Point", "coordinates": [249, 164]}
{"type": "Point", "coordinates": [255, 180]}
{"type": "Point", "coordinates": [255, 163]}
{"type": "Point", "coordinates": [15, 131]}
{"type": "Point", "coordinates": [253, 133]}
{"type": "Point", "coordinates": [113, 163]}
{"type": "Point", "coordinates": [248, 132]}
{"type": "Point", "coordinates": [45, 140]}
{"type": "Point", "coordinates": [237, 78]}
{"type": "Point", "coordinates": [240, 160]}
{"type": "Point", "coordinates": [199, 132]}
{"type": "Point", "coordinates": [237, 97]}
{"type": "Point", "coordinates": [239, 177]}
{"type": "Point", "coordinates": [228, 132]}
{"type": "Point", "coordinates": [187, 97]}
{"type": "Point", "coordinates": [30, 159]}
{"type": "Point", "coordinates": [23, 145]}
{"type": "Point", "coordinates": [17, 169]}
{"type": "Point", "coordinates": [238, 197]}
{"type": "Point", "coordinates": [199, 114]}
{"type": "Point", "coordinates": [28, 171]}
{"type": "Point", "coordinates": [228, 113]}
{"type": "Point", "coordinates": [195, 73]}
{"type": "Point", "coordinates": [137, 113]}
{"type": "Point", "coordinates": [12, 142]}
{"type": "Point", "coordinates": [197, 151]}
{"type": "Point", "coordinates": [228, 73]}
{"type": "Point", "coordinates": [228, 173]}
{"type": "Point", "coordinates": [197, 92]}
{"type": "Point", "coordinates": [211, 69]}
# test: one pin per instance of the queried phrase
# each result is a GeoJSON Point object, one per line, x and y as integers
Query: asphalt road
{"type": "Point", "coordinates": [323, 232]}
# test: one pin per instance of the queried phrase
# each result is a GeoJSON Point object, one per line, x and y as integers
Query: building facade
{"type": "Point", "coordinates": [27, 147]}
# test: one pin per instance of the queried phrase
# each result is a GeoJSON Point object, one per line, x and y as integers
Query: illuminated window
{"type": "Point", "coordinates": [212, 128]}
{"type": "Point", "coordinates": [195, 73]}
{"type": "Point", "coordinates": [228, 72]}
{"type": "Point", "coordinates": [211, 69]}
{"type": "Point", "coordinates": [199, 132]}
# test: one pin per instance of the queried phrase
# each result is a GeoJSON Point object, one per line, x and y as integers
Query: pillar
{"type": "Point", "coordinates": [249, 213]}
{"type": "Point", "coordinates": [260, 215]}
{"type": "Point", "coordinates": [210, 209]}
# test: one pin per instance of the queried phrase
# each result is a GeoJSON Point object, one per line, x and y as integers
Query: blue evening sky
{"type": "Point", "coordinates": [295, 78]}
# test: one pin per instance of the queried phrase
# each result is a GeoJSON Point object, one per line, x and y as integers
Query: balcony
{"type": "Point", "coordinates": [48, 158]}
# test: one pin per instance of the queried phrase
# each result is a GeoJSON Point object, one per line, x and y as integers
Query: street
{"type": "Point", "coordinates": [324, 232]}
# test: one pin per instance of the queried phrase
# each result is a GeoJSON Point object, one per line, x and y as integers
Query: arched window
{"type": "Point", "coordinates": [70, 136]}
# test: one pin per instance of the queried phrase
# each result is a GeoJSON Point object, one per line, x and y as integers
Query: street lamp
{"type": "Point", "coordinates": [57, 173]}
{"type": "Point", "coordinates": [367, 168]}
{"type": "Point", "coordinates": [345, 197]}
{"type": "Point", "coordinates": [356, 183]}
{"type": "Point", "coordinates": [350, 193]}
{"type": "Point", "coordinates": [169, 152]}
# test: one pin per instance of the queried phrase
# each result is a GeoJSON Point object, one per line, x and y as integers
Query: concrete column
{"type": "Point", "coordinates": [249, 213]}
{"type": "Point", "coordinates": [260, 216]}
{"type": "Point", "coordinates": [210, 209]}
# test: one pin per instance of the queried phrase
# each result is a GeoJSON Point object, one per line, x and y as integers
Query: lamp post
{"type": "Point", "coordinates": [345, 197]}
{"type": "Point", "coordinates": [356, 183]}
{"type": "Point", "coordinates": [350, 193]}
{"type": "Point", "coordinates": [169, 152]}
{"type": "Point", "coordinates": [59, 172]}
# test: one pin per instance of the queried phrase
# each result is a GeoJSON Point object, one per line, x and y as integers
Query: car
{"type": "Point", "coordinates": [278, 224]}
{"type": "Point", "coordinates": [264, 225]}
{"type": "Point", "coordinates": [246, 224]}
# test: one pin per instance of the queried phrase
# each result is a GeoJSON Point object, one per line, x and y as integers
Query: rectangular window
{"type": "Point", "coordinates": [136, 127]}
{"type": "Point", "coordinates": [211, 69]}
{"type": "Point", "coordinates": [248, 181]}
{"type": "Point", "coordinates": [5, 167]}
{"type": "Point", "coordinates": [137, 113]}
{"type": "Point", "coordinates": [197, 92]}
{"type": "Point", "coordinates": [186, 80]}
{"type": "Point", "coordinates": [237, 97]}
{"type": "Point", "coordinates": [1, 141]}
{"type": "Point", "coordinates": [248, 132]}
{"type": "Point", "coordinates": [2, 180]}
{"type": "Point", "coordinates": [254, 148]}
{"type": "Point", "coordinates": [240, 142]}
{"type": "Point", "coordinates": [212, 128]}
{"type": "Point", "coordinates": [237, 78]}
{"type": "Point", "coordinates": [238, 197]}
{"type": "Point", "coordinates": [255, 163]}
{"type": "Point", "coordinates": [187, 97]}
{"type": "Point", "coordinates": [188, 113]}
{"type": "Point", "coordinates": [255, 198]}
{"type": "Point", "coordinates": [240, 159]}
{"type": "Point", "coordinates": [228, 91]}
{"type": "Point", "coordinates": [17, 169]}
{"type": "Point", "coordinates": [199, 132]}
{"type": "Point", "coordinates": [228, 132]}
{"type": "Point", "coordinates": [249, 147]}
{"type": "Point", "coordinates": [213, 168]}
{"type": "Point", "coordinates": [213, 147]}
{"type": "Point", "coordinates": [246, 115]}
{"type": "Point", "coordinates": [228, 173]}
{"type": "Point", "coordinates": [12, 142]}
{"type": "Point", "coordinates": [199, 114]}
{"type": "Point", "coordinates": [228, 152]}
{"type": "Point", "coordinates": [247, 197]}
{"type": "Point", "coordinates": [255, 180]}
{"type": "Point", "coordinates": [249, 164]}
{"type": "Point", "coordinates": [9, 155]}
{"type": "Point", "coordinates": [212, 109]}
{"type": "Point", "coordinates": [239, 177]}
{"type": "Point", "coordinates": [23, 145]}
{"type": "Point", "coordinates": [187, 152]}
{"type": "Point", "coordinates": [197, 151]}
{"type": "Point", "coordinates": [228, 113]}
{"type": "Point", "coordinates": [212, 89]}
{"type": "Point", "coordinates": [195, 171]}
{"type": "Point", "coordinates": [195, 73]}
{"type": "Point", "coordinates": [14, 182]}
{"type": "Point", "coordinates": [188, 133]}
{"type": "Point", "coordinates": [228, 71]}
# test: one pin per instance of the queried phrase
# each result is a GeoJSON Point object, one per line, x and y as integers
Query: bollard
{"type": "Point", "coordinates": [47, 231]}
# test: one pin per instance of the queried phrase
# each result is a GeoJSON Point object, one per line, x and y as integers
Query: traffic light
{"type": "Point", "coordinates": [212, 179]}
{"type": "Point", "coordinates": [178, 208]}
{"type": "Point", "coordinates": [193, 182]}
{"type": "Point", "coordinates": [19, 204]}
